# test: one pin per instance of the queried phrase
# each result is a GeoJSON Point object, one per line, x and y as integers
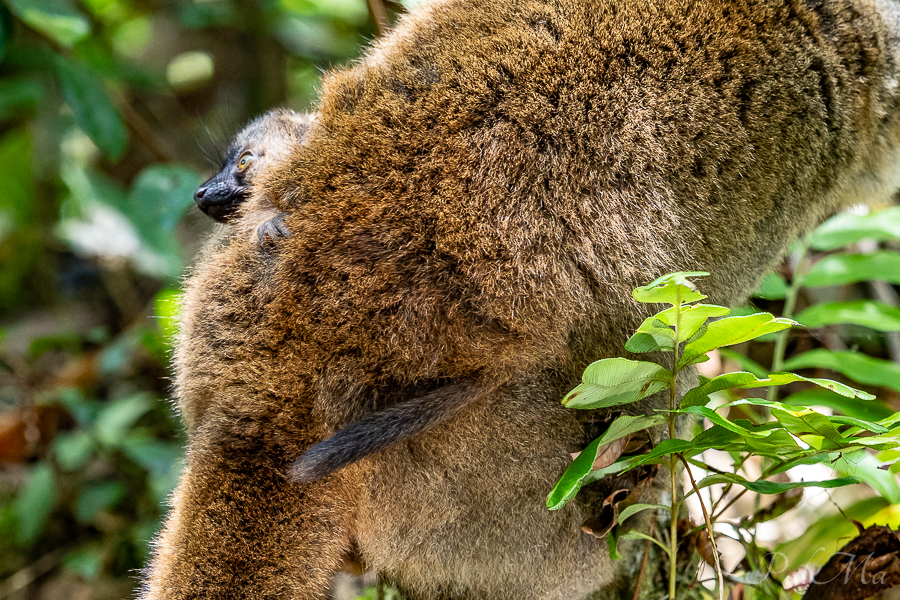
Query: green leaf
{"type": "Point", "coordinates": [53, 18]}
{"type": "Point", "coordinates": [746, 363]}
{"type": "Point", "coordinates": [808, 421]}
{"type": "Point", "coordinates": [636, 508]}
{"type": "Point", "coordinates": [730, 331]}
{"type": "Point", "coordinates": [18, 95]}
{"type": "Point", "coordinates": [652, 336]}
{"type": "Point", "coordinates": [162, 460]}
{"type": "Point", "coordinates": [773, 287]}
{"type": "Point", "coordinates": [574, 477]}
{"type": "Point", "coordinates": [116, 419]}
{"type": "Point", "coordinates": [98, 498]}
{"type": "Point", "coordinates": [871, 411]}
{"type": "Point", "coordinates": [855, 365]}
{"type": "Point", "coordinates": [73, 449]}
{"type": "Point", "coordinates": [866, 313]}
{"type": "Point", "coordinates": [699, 395]}
{"type": "Point", "coordinates": [572, 480]}
{"type": "Point", "coordinates": [859, 423]}
{"type": "Point", "coordinates": [617, 381]}
{"type": "Point", "coordinates": [665, 448]}
{"type": "Point", "coordinates": [770, 487]}
{"type": "Point", "coordinates": [721, 421]}
{"type": "Point", "coordinates": [637, 535]}
{"type": "Point", "coordinates": [674, 288]}
{"type": "Point", "coordinates": [848, 228]}
{"type": "Point", "coordinates": [167, 308]}
{"type": "Point", "coordinates": [158, 200]}
{"type": "Point", "coordinates": [841, 269]}
{"type": "Point", "coordinates": [35, 502]}
{"type": "Point", "coordinates": [91, 107]}
{"type": "Point", "coordinates": [865, 466]}
{"type": "Point", "coordinates": [692, 317]}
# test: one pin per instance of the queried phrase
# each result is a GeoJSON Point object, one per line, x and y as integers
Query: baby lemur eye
{"type": "Point", "coordinates": [245, 160]}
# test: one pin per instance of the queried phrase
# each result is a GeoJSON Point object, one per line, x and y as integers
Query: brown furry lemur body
{"type": "Point", "coordinates": [468, 215]}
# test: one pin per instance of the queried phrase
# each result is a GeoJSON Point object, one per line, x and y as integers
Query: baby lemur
{"type": "Point", "coordinates": [263, 142]}
{"type": "Point", "coordinates": [468, 216]}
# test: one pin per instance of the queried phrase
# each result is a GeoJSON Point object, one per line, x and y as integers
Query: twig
{"type": "Point", "coordinates": [709, 528]}
{"type": "Point", "coordinates": [640, 577]}
{"type": "Point", "coordinates": [140, 128]}
{"type": "Point", "coordinates": [379, 15]}
{"type": "Point", "coordinates": [883, 292]}
{"type": "Point", "coordinates": [29, 574]}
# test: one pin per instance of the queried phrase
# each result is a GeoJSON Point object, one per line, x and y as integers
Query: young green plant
{"type": "Point", "coordinates": [681, 336]}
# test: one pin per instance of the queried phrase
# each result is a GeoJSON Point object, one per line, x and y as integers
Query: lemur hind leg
{"type": "Point", "coordinates": [240, 528]}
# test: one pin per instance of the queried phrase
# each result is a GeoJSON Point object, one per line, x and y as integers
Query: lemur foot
{"type": "Point", "coordinates": [273, 229]}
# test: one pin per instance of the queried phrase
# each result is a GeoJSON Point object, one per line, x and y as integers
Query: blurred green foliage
{"type": "Point", "coordinates": [111, 114]}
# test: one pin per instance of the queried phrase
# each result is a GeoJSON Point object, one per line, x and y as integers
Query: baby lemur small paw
{"type": "Point", "coordinates": [271, 230]}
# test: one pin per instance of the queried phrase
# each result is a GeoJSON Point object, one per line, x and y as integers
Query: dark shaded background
{"type": "Point", "coordinates": [111, 113]}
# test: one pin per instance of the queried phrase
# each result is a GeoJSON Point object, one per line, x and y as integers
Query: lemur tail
{"type": "Point", "coordinates": [384, 428]}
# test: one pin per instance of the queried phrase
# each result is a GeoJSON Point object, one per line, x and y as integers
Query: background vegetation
{"type": "Point", "coordinates": [111, 113]}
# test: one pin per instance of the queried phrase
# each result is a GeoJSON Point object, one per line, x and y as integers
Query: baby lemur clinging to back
{"type": "Point", "coordinates": [468, 216]}
{"type": "Point", "coordinates": [263, 142]}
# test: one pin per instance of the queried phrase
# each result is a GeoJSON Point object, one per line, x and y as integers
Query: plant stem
{"type": "Point", "coordinates": [790, 303]}
{"type": "Point", "coordinates": [673, 462]}
{"type": "Point", "coordinates": [709, 529]}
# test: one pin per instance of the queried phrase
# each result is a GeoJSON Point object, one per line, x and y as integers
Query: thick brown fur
{"type": "Point", "coordinates": [472, 208]}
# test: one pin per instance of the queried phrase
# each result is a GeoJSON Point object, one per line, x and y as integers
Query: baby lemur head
{"type": "Point", "coordinates": [265, 140]}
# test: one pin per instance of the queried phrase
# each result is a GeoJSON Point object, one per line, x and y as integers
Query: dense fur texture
{"type": "Point", "coordinates": [262, 143]}
{"type": "Point", "coordinates": [469, 214]}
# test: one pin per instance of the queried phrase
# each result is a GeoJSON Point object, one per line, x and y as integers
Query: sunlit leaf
{"type": "Point", "coordinates": [54, 18]}
{"type": "Point", "coordinates": [848, 228]}
{"type": "Point", "coordinates": [871, 411]}
{"type": "Point", "coordinates": [699, 395]}
{"type": "Point", "coordinates": [866, 313]}
{"type": "Point", "coordinates": [674, 288]}
{"type": "Point", "coordinates": [732, 330]}
{"type": "Point", "coordinates": [92, 108]}
{"type": "Point", "coordinates": [771, 487]}
{"type": "Point", "coordinates": [167, 308]}
{"type": "Point", "coordinates": [841, 269]}
{"type": "Point", "coordinates": [855, 365]}
{"type": "Point", "coordinates": [808, 421]}
{"type": "Point", "coordinates": [864, 465]}
{"type": "Point", "coordinates": [616, 381]}
{"type": "Point", "coordinates": [692, 318]}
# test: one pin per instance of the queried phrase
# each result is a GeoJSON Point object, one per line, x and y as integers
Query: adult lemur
{"type": "Point", "coordinates": [468, 216]}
